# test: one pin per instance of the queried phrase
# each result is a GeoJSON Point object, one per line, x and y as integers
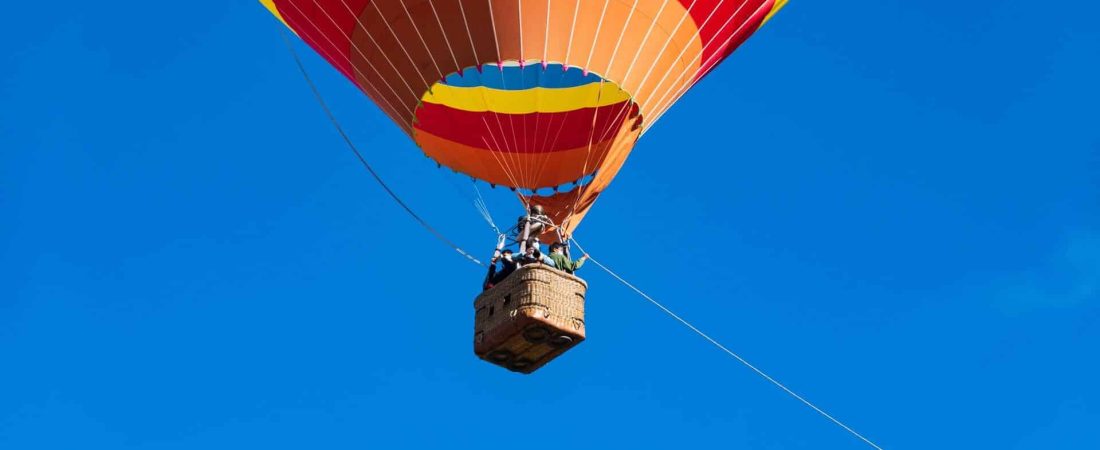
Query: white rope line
{"type": "Point", "coordinates": [618, 117]}
{"type": "Point", "coordinates": [485, 207]}
{"type": "Point", "coordinates": [385, 55]}
{"type": "Point", "coordinates": [501, 154]}
{"type": "Point", "coordinates": [572, 29]}
{"type": "Point", "coordinates": [475, 200]}
{"type": "Point", "coordinates": [512, 125]}
{"type": "Point", "coordinates": [543, 164]}
{"type": "Point", "coordinates": [407, 124]}
{"type": "Point", "coordinates": [392, 109]}
{"type": "Point", "coordinates": [504, 164]}
{"type": "Point", "coordinates": [609, 151]}
{"type": "Point", "coordinates": [514, 166]}
{"type": "Point", "coordinates": [664, 47]}
{"type": "Point", "coordinates": [548, 153]}
{"type": "Point", "coordinates": [612, 149]}
{"type": "Point", "coordinates": [505, 159]}
{"type": "Point", "coordinates": [546, 35]}
{"type": "Point", "coordinates": [536, 169]}
{"type": "Point", "coordinates": [726, 350]}
{"type": "Point", "coordinates": [596, 37]}
{"type": "Point", "coordinates": [415, 95]}
{"type": "Point", "coordinates": [522, 65]}
{"type": "Point", "coordinates": [478, 202]}
{"type": "Point", "coordinates": [473, 47]}
{"type": "Point", "coordinates": [493, 22]}
{"type": "Point", "coordinates": [630, 69]}
{"type": "Point", "coordinates": [507, 170]}
{"type": "Point", "coordinates": [588, 150]}
{"type": "Point", "coordinates": [445, 38]}
{"type": "Point", "coordinates": [509, 152]}
{"type": "Point", "coordinates": [416, 28]}
{"type": "Point", "coordinates": [637, 53]}
{"type": "Point", "coordinates": [519, 14]}
{"type": "Point", "coordinates": [708, 65]}
{"type": "Point", "coordinates": [615, 51]}
{"type": "Point", "coordinates": [596, 107]}
{"type": "Point", "coordinates": [618, 120]}
{"type": "Point", "coordinates": [685, 48]}
{"type": "Point", "coordinates": [595, 40]}
{"type": "Point", "coordinates": [360, 51]}
{"type": "Point", "coordinates": [717, 55]}
{"type": "Point", "coordinates": [496, 149]}
{"type": "Point", "coordinates": [362, 160]}
{"type": "Point", "coordinates": [397, 40]}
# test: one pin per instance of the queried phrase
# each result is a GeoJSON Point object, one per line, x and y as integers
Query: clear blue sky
{"type": "Point", "coordinates": [903, 225]}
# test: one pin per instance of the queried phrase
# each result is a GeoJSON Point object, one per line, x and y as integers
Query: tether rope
{"type": "Point", "coordinates": [362, 160]}
{"type": "Point", "coordinates": [724, 349]}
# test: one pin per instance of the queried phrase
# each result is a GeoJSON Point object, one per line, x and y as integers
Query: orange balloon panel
{"type": "Point", "coordinates": [527, 94]}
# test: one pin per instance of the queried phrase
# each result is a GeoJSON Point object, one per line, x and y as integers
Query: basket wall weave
{"type": "Point", "coordinates": [530, 318]}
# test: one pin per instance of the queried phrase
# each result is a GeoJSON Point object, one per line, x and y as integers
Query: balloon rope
{"type": "Point", "coordinates": [572, 29]}
{"type": "Point", "coordinates": [665, 102]}
{"type": "Point", "coordinates": [668, 41]}
{"type": "Point", "coordinates": [473, 48]}
{"type": "Point", "coordinates": [595, 37]}
{"type": "Point", "coordinates": [397, 39]}
{"type": "Point", "coordinates": [726, 350]}
{"type": "Point", "coordinates": [495, 148]}
{"type": "Point", "coordinates": [398, 118]}
{"type": "Point", "coordinates": [648, 33]}
{"type": "Point", "coordinates": [546, 33]}
{"type": "Point", "coordinates": [684, 48]}
{"type": "Point", "coordinates": [483, 207]}
{"type": "Point", "coordinates": [532, 164]}
{"type": "Point", "coordinates": [485, 214]}
{"type": "Point", "coordinates": [445, 39]}
{"type": "Point", "coordinates": [477, 201]}
{"type": "Point", "coordinates": [362, 160]}
{"type": "Point", "coordinates": [493, 23]}
{"type": "Point", "coordinates": [394, 114]}
{"type": "Point", "coordinates": [418, 34]}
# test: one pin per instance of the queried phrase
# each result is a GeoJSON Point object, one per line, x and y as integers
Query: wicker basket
{"type": "Point", "coordinates": [530, 318]}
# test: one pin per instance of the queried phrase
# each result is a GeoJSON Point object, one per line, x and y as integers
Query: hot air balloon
{"type": "Point", "coordinates": [546, 97]}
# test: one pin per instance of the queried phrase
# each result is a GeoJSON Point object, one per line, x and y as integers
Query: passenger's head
{"type": "Point", "coordinates": [530, 251]}
{"type": "Point", "coordinates": [506, 254]}
{"type": "Point", "coordinates": [557, 247]}
{"type": "Point", "coordinates": [536, 210]}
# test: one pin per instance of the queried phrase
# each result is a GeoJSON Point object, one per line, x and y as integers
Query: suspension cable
{"type": "Point", "coordinates": [362, 160]}
{"type": "Point", "coordinates": [726, 350]}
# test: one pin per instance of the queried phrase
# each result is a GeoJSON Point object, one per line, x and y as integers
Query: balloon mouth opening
{"type": "Point", "coordinates": [536, 127]}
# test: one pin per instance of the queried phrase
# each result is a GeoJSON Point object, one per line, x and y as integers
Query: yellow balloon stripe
{"type": "Point", "coordinates": [779, 4]}
{"type": "Point", "coordinates": [527, 101]}
{"type": "Point", "coordinates": [270, 5]}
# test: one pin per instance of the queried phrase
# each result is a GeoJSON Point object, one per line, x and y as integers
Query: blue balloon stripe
{"type": "Point", "coordinates": [519, 78]}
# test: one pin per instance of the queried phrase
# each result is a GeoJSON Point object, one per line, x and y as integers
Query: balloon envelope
{"type": "Point", "coordinates": [546, 96]}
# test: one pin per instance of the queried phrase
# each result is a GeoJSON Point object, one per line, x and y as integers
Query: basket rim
{"type": "Point", "coordinates": [531, 267]}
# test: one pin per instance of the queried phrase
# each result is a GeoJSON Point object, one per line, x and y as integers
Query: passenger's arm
{"type": "Point", "coordinates": [579, 262]}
